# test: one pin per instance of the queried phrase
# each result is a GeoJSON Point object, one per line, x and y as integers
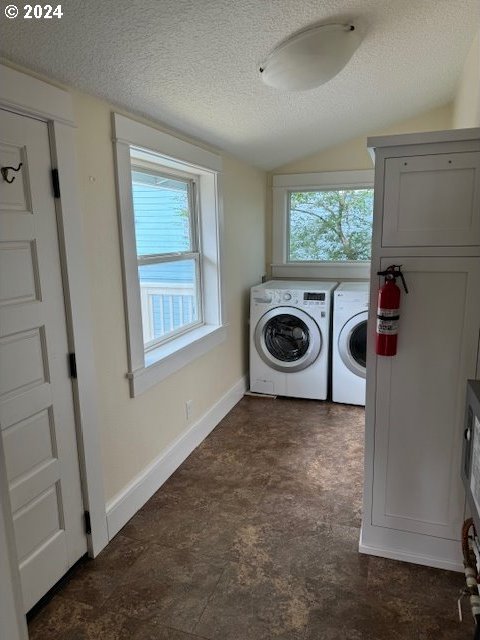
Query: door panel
{"type": "Point", "coordinates": [420, 398]}
{"type": "Point", "coordinates": [36, 404]}
{"type": "Point", "coordinates": [17, 197]}
{"type": "Point", "coordinates": [422, 192]}
{"type": "Point", "coordinates": [15, 351]}
{"type": "Point", "coordinates": [18, 273]}
{"type": "Point", "coordinates": [28, 444]}
{"type": "Point", "coordinates": [38, 520]}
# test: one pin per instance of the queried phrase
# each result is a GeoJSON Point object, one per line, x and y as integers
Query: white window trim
{"type": "Point", "coordinates": [193, 253]}
{"type": "Point", "coordinates": [147, 369]}
{"type": "Point", "coordinates": [282, 185]}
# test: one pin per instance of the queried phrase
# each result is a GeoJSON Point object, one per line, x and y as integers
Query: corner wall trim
{"type": "Point", "coordinates": [126, 503]}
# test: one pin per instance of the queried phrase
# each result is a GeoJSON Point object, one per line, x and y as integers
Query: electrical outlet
{"type": "Point", "coordinates": [188, 409]}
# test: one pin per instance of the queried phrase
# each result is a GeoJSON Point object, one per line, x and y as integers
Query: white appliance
{"type": "Point", "coordinates": [289, 338]}
{"type": "Point", "coordinates": [350, 314]}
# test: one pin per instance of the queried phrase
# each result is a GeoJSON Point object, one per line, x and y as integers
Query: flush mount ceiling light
{"type": "Point", "coordinates": [311, 57]}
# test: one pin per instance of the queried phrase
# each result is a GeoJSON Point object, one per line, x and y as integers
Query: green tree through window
{"type": "Point", "coordinates": [330, 225]}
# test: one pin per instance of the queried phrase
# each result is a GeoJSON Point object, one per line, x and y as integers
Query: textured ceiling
{"type": "Point", "coordinates": [192, 64]}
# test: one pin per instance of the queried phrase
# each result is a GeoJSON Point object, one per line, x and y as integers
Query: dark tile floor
{"type": "Point", "coordinates": [255, 538]}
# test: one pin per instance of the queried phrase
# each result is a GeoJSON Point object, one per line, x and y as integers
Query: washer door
{"type": "Point", "coordinates": [352, 344]}
{"type": "Point", "coordinates": [288, 339]}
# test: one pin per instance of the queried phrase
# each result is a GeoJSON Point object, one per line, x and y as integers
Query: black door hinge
{"type": "Point", "coordinates": [72, 364]}
{"type": "Point", "coordinates": [88, 523]}
{"type": "Point", "coordinates": [55, 183]}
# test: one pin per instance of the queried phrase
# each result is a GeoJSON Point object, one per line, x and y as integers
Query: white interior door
{"type": "Point", "coordinates": [36, 404]}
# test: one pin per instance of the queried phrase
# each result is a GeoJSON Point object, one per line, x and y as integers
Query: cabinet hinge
{"type": "Point", "coordinates": [72, 365]}
{"type": "Point", "coordinates": [88, 523]}
{"type": "Point", "coordinates": [55, 183]}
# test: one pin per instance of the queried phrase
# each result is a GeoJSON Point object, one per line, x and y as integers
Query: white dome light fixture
{"type": "Point", "coordinates": [311, 57]}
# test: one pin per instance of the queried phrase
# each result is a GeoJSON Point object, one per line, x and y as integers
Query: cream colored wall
{"type": "Point", "coordinates": [466, 112]}
{"type": "Point", "coordinates": [353, 154]}
{"type": "Point", "coordinates": [135, 431]}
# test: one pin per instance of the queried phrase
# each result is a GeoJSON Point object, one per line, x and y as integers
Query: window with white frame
{"type": "Point", "coordinates": [168, 253]}
{"type": "Point", "coordinates": [330, 224]}
{"type": "Point", "coordinates": [322, 224]}
{"type": "Point", "coordinates": [170, 219]}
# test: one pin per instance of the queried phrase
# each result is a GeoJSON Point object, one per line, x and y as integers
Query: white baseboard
{"type": "Point", "coordinates": [126, 503]}
{"type": "Point", "coordinates": [432, 552]}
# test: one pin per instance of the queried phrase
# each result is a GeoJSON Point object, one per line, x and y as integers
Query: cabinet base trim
{"type": "Point", "coordinates": [445, 554]}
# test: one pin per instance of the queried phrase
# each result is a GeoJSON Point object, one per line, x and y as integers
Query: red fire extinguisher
{"type": "Point", "coordinates": [388, 312]}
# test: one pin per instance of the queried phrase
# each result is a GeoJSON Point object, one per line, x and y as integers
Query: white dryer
{"type": "Point", "coordinates": [289, 338]}
{"type": "Point", "coordinates": [350, 314]}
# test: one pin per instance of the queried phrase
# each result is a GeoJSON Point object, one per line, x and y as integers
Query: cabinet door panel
{"type": "Point", "coordinates": [420, 398]}
{"type": "Point", "coordinates": [432, 200]}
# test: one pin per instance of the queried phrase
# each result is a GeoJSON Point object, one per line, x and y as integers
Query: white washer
{"type": "Point", "coordinates": [289, 338]}
{"type": "Point", "coordinates": [350, 314]}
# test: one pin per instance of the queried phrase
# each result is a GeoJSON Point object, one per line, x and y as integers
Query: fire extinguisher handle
{"type": "Point", "coordinates": [393, 272]}
{"type": "Point", "coordinates": [400, 273]}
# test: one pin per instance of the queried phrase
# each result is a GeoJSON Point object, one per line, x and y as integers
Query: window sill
{"type": "Point", "coordinates": [323, 271]}
{"type": "Point", "coordinates": [172, 356]}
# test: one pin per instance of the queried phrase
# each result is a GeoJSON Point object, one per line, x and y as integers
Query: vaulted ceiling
{"type": "Point", "coordinates": [193, 65]}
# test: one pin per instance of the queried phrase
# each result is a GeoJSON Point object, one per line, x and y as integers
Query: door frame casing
{"type": "Point", "coordinates": [29, 96]}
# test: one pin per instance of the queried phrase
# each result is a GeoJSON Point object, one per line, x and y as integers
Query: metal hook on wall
{"type": "Point", "coordinates": [5, 170]}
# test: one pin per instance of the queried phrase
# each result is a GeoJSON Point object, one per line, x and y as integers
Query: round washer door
{"type": "Point", "coordinates": [352, 344]}
{"type": "Point", "coordinates": [288, 339]}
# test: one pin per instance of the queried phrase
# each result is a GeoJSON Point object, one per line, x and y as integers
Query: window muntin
{"type": "Point", "coordinates": [329, 225]}
{"type": "Point", "coordinates": [168, 254]}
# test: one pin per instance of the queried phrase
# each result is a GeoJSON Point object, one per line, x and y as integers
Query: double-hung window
{"type": "Point", "coordinates": [170, 232]}
{"type": "Point", "coordinates": [168, 251]}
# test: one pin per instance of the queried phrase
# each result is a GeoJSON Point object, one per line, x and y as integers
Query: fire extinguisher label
{"type": "Point", "coordinates": [387, 327]}
{"type": "Point", "coordinates": [387, 321]}
{"type": "Point", "coordinates": [388, 313]}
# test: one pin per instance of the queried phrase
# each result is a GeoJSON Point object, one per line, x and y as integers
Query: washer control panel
{"type": "Point", "coordinates": [314, 298]}
{"type": "Point", "coordinates": [280, 296]}
{"type": "Point", "coordinates": [290, 297]}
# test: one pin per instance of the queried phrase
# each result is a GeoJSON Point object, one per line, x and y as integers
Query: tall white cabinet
{"type": "Point", "coordinates": [427, 218]}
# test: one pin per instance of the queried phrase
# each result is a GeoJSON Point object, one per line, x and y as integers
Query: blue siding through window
{"type": "Point", "coordinates": [159, 228]}
{"type": "Point", "coordinates": [161, 220]}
